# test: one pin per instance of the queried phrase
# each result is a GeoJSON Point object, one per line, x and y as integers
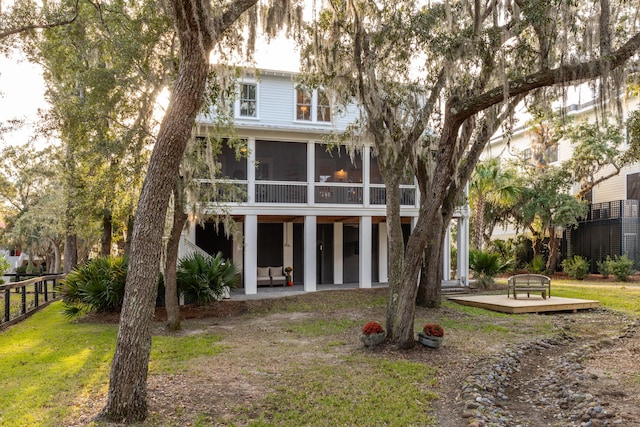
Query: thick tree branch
{"type": "Point", "coordinates": [14, 31]}
{"type": "Point", "coordinates": [462, 109]}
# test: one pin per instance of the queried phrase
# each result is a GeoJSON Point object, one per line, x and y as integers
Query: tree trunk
{"type": "Point", "coordinates": [127, 238]}
{"type": "Point", "coordinates": [70, 252]}
{"type": "Point", "coordinates": [403, 333]}
{"type": "Point", "coordinates": [107, 230]}
{"type": "Point", "coordinates": [552, 262]}
{"type": "Point", "coordinates": [396, 247]}
{"type": "Point", "coordinates": [127, 396]}
{"type": "Point", "coordinates": [172, 304]}
{"type": "Point", "coordinates": [478, 223]}
{"type": "Point", "coordinates": [57, 258]}
{"type": "Point", "coordinates": [430, 289]}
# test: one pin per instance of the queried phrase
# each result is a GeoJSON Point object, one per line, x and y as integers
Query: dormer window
{"type": "Point", "coordinates": [312, 105]}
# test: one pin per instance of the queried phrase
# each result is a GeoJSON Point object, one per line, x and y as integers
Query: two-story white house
{"type": "Point", "coordinates": [322, 213]}
{"type": "Point", "coordinates": [612, 225]}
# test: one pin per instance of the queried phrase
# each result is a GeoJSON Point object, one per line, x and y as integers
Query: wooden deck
{"type": "Point", "coordinates": [533, 304]}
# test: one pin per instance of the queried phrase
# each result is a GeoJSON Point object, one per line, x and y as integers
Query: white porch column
{"type": "Point", "coordinates": [463, 250]}
{"type": "Point", "coordinates": [365, 252]}
{"type": "Point", "coordinates": [446, 255]}
{"type": "Point", "coordinates": [338, 255]}
{"type": "Point", "coordinates": [287, 238]}
{"type": "Point", "coordinates": [366, 167]}
{"type": "Point", "coordinates": [251, 171]}
{"type": "Point", "coordinates": [310, 239]}
{"type": "Point", "coordinates": [383, 256]}
{"type": "Point", "coordinates": [311, 173]}
{"type": "Point", "coordinates": [250, 254]}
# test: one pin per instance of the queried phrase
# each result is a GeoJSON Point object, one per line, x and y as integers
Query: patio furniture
{"type": "Point", "coordinates": [529, 283]}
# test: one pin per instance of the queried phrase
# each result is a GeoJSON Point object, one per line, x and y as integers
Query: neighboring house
{"type": "Point", "coordinates": [612, 226]}
{"type": "Point", "coordinates": [321, 213]}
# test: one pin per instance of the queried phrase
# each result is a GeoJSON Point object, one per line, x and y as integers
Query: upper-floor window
{"type": "Point", "coordinates": [303, 104]}
{"type": "Point", "coordinates": [323, 108]}
{"type": "Point", "coordinates": [248, 100]}
{"type": "Point", "coordinates": [312, 105]}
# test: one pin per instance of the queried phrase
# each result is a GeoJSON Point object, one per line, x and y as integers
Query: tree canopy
{"type": "Point", "coordinates": [435, 82]}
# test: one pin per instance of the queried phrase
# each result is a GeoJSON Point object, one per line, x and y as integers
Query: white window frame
{"type": "Point", "coordinates": [313, 117]}
{"type": "Point", "coordinates": [237, 104]}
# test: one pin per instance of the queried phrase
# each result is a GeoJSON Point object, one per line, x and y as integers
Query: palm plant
{"type": "Point", "coordinates": [202, 279]}
{"type": "Point", "coordinates": [492, 188]}
{"type": "Point", "coordinates": [96, 285]}
{"type": "Point", "coordinates": [487, 265]}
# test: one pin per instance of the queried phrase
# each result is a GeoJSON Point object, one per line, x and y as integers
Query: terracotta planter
{"type": "Point", "coordinates": [430, 341]}
{"type": "Point", "coordinates": [373, 339]}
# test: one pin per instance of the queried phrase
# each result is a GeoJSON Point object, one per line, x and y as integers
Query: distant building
{"type": "Point", "coordinates": [612, 226]}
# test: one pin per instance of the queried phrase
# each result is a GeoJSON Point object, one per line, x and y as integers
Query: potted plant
{"type": "Point", "coordinates": [372, 334]}
{"type": "Point", "coordinates": [432, 335]}
{"type": "Point", "coordinates": [287, 272]}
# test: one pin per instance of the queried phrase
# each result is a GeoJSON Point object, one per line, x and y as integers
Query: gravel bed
{"type": "Point", "coordinates": [538, 383]}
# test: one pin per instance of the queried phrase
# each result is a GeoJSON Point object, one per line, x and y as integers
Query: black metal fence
{"type": "Point", "coordinates": [610, 229]}
{"type": "Point", "coordinates": [19, 300]}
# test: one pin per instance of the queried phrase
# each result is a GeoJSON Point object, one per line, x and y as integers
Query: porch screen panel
{"type": "Point", "coordinates": [336, 165]}
{"type": "Point", "coordinates": [233, 162]}
{"type": "Point", "coordinates": [281, 161]}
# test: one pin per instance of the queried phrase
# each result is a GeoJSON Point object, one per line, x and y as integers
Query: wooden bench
{"type": "Point", "coordinates": [529, 283]}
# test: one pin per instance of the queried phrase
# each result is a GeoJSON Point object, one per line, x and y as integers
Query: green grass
{"type": "Point", "coordinates": [620, 296]}
{"type": "Point", "coordinates": [361, 390]}
{"type": "Point", "coordinates": [49, 364]}
{"type": "Point", "coordinates": [316, 328]}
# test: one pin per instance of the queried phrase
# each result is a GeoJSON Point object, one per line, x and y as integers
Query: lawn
{"type": "Point", "coordinates": [301, 355]}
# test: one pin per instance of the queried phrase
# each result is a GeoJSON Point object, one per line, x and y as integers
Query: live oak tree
{"type": "Point", "coordinates": [25, 15]}
{"type": "Point", "coordinates": [434, 82]}
{"type": "Point", "coordinates": [103, 73]}
{"type": "Point", "coordinates": [200, 26]}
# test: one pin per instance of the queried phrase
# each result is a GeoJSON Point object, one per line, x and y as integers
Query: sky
{"type": "Point", "coordinates": [21, 94]}
{"type": "Point", "coordinates": [22, 88]}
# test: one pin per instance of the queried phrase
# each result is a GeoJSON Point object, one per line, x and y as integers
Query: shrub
{"type": "Point", "coordinates": [537, 265]}
{"type": "Point", "coordinates": [4, 266]}
{"type": "Point", "coordinates": [605, 267]}
{"type": "Point", "coordinates": [576, 267]}
{"type": "Point", "coordinates": [487, 266]}
{"type": "Point", "coordinates": [202, 279]}
{"type": "Point", "coordinates": [97, 285]}
{"type": "Point", "coordinates": [621, 268]}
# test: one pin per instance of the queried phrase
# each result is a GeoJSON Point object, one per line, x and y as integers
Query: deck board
{"type": "Point", "coordinates": [532, 304]}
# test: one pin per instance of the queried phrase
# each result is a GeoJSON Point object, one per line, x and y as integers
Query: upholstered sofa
{"type": "Point", "coordinates": [271, 276]}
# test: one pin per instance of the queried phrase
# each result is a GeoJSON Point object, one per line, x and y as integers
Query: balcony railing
{"type": "Point", "coordinates": [339, 193]}
{"type": "Point", "coordinates": [613, 210]}
{"type": "Point", "coordinates": [378, 195]}
{"type": "Point", "coordinates": [281, 193]}
{"type": "Point", "coordinates": [296, 193]}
